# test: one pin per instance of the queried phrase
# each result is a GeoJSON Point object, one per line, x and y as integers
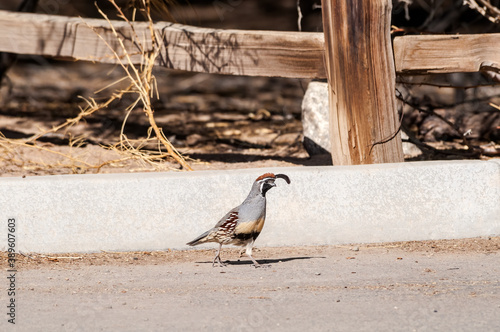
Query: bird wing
{"type": "Point", "coordinates": [224, 227]}
{"type": "Point", "coordinates": [228, 223]}
{"type": "Point", "coordinates": [228, 215]}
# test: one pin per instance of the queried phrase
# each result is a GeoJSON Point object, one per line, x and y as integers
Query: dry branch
{"type": "Point", "coordinates": [141, 77]}
{"type": "Point", "coordinates": [485, 8]}
{"type": "Point", "coordinates": [141, 82]}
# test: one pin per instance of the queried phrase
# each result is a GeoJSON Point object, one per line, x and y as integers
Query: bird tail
{"type": "Point", "coordinates": [199, 239]}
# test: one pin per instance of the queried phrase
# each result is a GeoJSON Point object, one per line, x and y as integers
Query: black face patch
{"type": "Point", "coordinates": [265, 188]}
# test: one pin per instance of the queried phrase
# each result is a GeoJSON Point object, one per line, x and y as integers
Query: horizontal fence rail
{"type": "Point", "coordinates": [234, 52]}
{"type": "Point", "coordinates": [435, 54]}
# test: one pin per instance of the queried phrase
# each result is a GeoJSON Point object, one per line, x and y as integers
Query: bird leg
{"type": "Point", "coordinates": [249, 254]}
{"type": "Point", "coordinates": [255, 264]}
{"type": "Point", "coordinates": [217, 257]}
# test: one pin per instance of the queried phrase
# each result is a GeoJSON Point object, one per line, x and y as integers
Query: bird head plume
{"type": "Point", "coordinates": [266, 182]}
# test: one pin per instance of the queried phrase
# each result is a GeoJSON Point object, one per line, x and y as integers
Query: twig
{"type": "Point", "coordinates": [25, 255]}
{"type": "Point", "coordinates": [392, 136]}
{"type": "Point", "coordinates": [430, 111]}
{"type": "Point", "coordinates": [142, 79]}
{"type": "Point", "coordinates": [494, 106]}
{"type": "Point", "coordinates": [299, 18]}
{"type": "Point", "coordinates": [60, 257]}
{"type": "Point", "coordinates": [485, 8]}
{"type": "Point", "coordinates": [417, 142]}
{"type": "Point", "coordinates": [439, 85]}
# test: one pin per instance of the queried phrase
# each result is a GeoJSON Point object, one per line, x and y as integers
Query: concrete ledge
{"type": "Point", "coordinates": [322, 205]}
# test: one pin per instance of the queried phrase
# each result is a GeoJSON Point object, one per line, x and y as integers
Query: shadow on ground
{"type": "Point", "coordinates": [262, 261]}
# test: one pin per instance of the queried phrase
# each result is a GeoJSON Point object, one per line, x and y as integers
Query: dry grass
{"type": "Point", "coordinates": [141, 84]}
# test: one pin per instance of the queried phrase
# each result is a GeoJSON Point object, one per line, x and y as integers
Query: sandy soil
{"type": "Point", "coordinates": [412, 286]}
{"type": "Point", "coordinates": [67, 261]}
{"type": "Point", "coordinates": [218, 121]}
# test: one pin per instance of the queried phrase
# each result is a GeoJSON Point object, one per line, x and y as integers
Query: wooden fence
{"type": "Point", "coordinates": [355, 53]}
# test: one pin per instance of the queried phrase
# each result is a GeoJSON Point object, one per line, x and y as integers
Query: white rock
{"type": "Point", "coordinates": [315, 117]}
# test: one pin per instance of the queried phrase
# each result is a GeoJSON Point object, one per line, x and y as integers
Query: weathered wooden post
{"type": "Point", "coordinates": [361, 75]}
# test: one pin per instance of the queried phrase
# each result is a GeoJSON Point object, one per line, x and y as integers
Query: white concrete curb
{"type": "Point", "coordinates": [322, 205]}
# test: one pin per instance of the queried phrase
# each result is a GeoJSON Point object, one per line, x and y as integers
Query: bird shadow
{"type": "Point", "coordinates": [262, 261]}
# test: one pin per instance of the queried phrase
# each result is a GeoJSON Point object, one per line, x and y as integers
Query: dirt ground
{"type": "Point", "coordinates": [218, 121]}
{"type": "Point", "coordinates": [447, 285]}
{"type": "Point", "coordinates": [485, 245]}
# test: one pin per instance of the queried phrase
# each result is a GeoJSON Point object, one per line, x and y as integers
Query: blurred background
{"type": "Point", "coordinates": [231, 121]}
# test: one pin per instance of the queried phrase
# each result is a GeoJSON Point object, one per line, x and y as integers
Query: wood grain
{"type": "Point", "coordinates": [360, 70]}
{"type": "Point", "coordinates": [235, 52]}
{"type": "Point", "coordinates": [447, 53]}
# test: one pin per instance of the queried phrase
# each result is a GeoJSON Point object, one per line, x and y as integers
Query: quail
{"type": "Point", "coordinates": [242, 225]}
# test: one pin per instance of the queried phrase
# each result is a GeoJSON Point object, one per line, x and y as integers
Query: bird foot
{"type": "Point", "coordinates": [257, 265]}
{"type": "Point", "coordinates": [219, 264]}
{"type": "Point", "coordinates": [218, 261]}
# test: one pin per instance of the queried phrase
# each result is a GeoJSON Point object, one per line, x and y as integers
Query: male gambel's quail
{"type": "Point", "coordinates": [243, 224]}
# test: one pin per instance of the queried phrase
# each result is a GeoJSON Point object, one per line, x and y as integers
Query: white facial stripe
{"type": "Point", "coordinates": [266, 179]}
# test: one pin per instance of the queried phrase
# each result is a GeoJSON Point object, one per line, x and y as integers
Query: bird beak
{"type": "Point", "coordinates": [284, 177]}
